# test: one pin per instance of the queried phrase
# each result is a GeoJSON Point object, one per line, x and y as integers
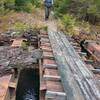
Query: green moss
{"type": "Point", "coordinates": [24, 46]}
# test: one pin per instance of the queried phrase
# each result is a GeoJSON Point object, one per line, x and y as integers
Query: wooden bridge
{"type": "Point", "coordinates": [63, 73]}
{"type": "Point", "coordinates": [65, 76]}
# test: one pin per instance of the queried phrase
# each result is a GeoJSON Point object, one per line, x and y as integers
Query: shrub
{"type": "Point", "coordinates": [60, 7]}
{"type": "Point", "coordinates": [20, 26]}
{"type": "Point", "coordinates": [10, 4]}
{"type": "Point", "coordinates": [28, 7]}
{"type": "Point", "coordinates": [24, 46]}
{"type": "Point", "coordinates": [36, 3]}
{"type": "Point", "coordinates": [68, 21]}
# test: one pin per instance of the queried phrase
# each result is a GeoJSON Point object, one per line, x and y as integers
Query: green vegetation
{"type": "Point", "coordinates": [20, 26]}
{"type": "Point", "coordinates": [77, 15]}
{"type": "Point", "coordinates": [26, 5]}
{"type": "Point", "coordinates": [67, 23]}
{"type": "Point", "coordinates": [71, 14]}
{"type": "Point", "coordinates": [19, 5]}
{"type": "Point", "coordinates": [89, 10]}
{"type": "Point", "coordinates": [24, 46]}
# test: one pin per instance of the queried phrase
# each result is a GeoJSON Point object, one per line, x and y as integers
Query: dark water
{"type": "Point", "coordinates": [28, 85]}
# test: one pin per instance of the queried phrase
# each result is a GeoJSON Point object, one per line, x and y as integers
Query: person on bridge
{"type": "Point", "coordinates": [48, 5]}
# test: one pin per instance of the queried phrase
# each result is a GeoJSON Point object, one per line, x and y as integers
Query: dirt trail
{"type": "Point", "coordinates": [52, 27]}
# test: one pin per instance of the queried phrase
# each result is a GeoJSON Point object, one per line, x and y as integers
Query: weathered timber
{"type": "Point", "coordinates": [49, 63]}
{"type": "Point", "coordinates": [12, 85]}
{"type": "Point", "coordinates": [51, 66]}
{"type": "Point", "coordinates": [48, 55]}
{"type": "Point", "coordinates": [55, 91]}
{"type": "Point", "coordinates": [96, 71]}
{"type": "Point", "coordinates": [89, 61]}
{"type": "Point", "coordinates": [78, 81]}
{"type": "Point", "coordinates": [4, 87]}
{"type": "Point", "coordinates": [55, 95]}
{"type": "Point", "coordinates": [44, 40]}
{"type": "Point", "coordinates": [76, 47]}
{"type": "Point", "coordinates": [52, 78]}
{"type": "Point", "coordinates": [81, 53]}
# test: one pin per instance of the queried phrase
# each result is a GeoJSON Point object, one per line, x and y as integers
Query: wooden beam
{"type": "Point", "coordinates": [48, 55]}
{"type": "Point", "coordinates": [44, 40]}
{"type": "Point", "coordinates": [82, 53]}
{"type": "Point", "coordinates": [96, 71]}
{"type": "Point", "coordinates": [12, 85]}
{"type": "Point", "coordinates": [74, 44]}
{"type": "Point", "coordinates": [89, 61]}
{"type": "Point", "coordinates": [52, 78]}
{"type": "Point", "coordinates": [54, 66]}
{"type": "Point", "coordinates": [76, 47]}
{"type": "Point", "coordinates": [55, 95]}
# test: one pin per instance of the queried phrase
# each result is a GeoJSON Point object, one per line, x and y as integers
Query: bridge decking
{"type": "Point", "coordinates": [66, 76]}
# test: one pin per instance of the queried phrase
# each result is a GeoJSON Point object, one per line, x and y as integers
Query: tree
{"type": "Point", "coordinates": [9, 4]}
{"type": "Point", "coordinates": [88, 10]}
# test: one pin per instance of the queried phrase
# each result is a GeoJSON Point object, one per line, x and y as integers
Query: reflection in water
{"type": "Point", "coordinates": [28, 85]}
{"type": "Point", "coordinates": [29, 95]}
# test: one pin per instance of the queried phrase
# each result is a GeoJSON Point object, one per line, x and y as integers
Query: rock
{"type": "Point", "coordinates": [37, 53]}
